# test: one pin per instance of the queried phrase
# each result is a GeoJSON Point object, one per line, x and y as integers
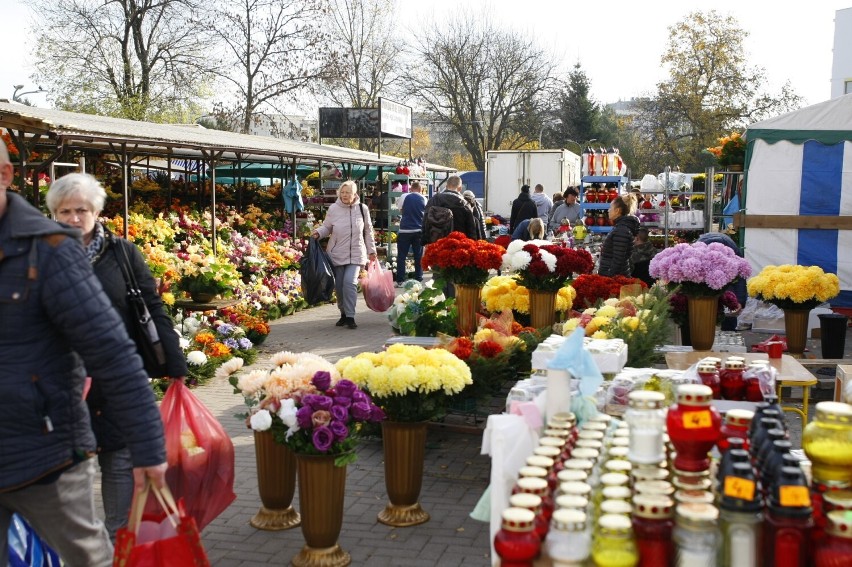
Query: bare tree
{"type": "Point", "coordinates": [484, 81]}
{"type": "Point", "coordinates": [370, 63]}
{"type": "Point", "coordinates": [272, 51]}
{"type": "Point", "coordinates": [137, 59]}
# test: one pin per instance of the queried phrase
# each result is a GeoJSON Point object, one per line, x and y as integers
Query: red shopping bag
{"type": "Point", "coordinates": [200, 456]}
{"type": "Point", "coordinates": [166, 538]}
{"type": "Point", "coordinates": [377, 286]}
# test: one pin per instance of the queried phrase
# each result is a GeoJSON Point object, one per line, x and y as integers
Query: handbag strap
{"type": "Point", "coordinates": [126, 271]}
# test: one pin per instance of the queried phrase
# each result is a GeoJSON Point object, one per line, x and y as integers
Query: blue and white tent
{"type": "Point", "coordinates": [798, 191]}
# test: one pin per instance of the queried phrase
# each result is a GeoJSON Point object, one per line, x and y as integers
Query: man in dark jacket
{"type": "Point", "coordinates": [450, 198]}
{"type": "Point", "coordinates": [523, 208]}
{"type": "Point", "coordinates": [54, 313]}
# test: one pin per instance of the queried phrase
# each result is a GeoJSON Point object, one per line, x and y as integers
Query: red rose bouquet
{"type": "Point", "coordinates": [544, 266]}
{"type": "Point", "coordinates": [461, 260]}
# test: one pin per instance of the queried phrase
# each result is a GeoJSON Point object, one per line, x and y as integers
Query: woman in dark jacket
{"type": "Point", "coordinates": [618, 245]}
{"type": "Point", "coordinates": [523, 208]}
{"type": "Point", "coordinates": [77, 199]}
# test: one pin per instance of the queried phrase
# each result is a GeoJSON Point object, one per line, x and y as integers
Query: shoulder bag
{"type": "Point", "coordinates": [142, 329]}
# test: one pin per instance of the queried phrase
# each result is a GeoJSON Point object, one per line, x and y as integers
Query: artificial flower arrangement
{"type": "Point", "coordinates": [731, 150]}
{"type": "Point", "coordinates": [306, 405]}
{"type": "Point", "coordinates": [543, 266]}
{"type": "Point", "coordinates": [699, 269]}
{"type": "Point", "coordinates": [641, 321]}
{"type": "Point", "coordinates": [592, 289]}
{"type": "Point", "coordinates": [422, 310]}
{"type": "Point", "coordinates": [501, 293]}
{"type": "Point", "coordinates": [793, 286]}
{"type": "Point", "coordinates": [410, 383]}
{"type": "Point", "coordinates": [461, 260]}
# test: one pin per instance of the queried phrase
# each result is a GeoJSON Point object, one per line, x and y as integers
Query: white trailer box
{"type": "Point", "coordinates": [507, 170]}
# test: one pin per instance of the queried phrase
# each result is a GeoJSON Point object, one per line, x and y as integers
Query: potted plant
{"type": "Point", "coordinates": [411, 384]}
{"type": "Point", "coordinates": [204, 277]}
{"type": "Point", "coordinates": [795, 289]}
{"type": "Point", "coordinates": [730, 153]}
{"type": "Point", "coordinates": [701, 271]}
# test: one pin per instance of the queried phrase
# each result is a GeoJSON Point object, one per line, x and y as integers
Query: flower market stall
{"type": "Point", "coordinates": [797, 183]}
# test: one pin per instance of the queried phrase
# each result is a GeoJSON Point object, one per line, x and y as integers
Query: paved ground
{"type": "Point", "coordinates": [455, 473]}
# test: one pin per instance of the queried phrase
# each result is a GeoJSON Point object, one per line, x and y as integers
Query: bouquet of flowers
{"type": "Point", "coordinates": [794, 287]}
{"type": "Point", "coordinates": [410, 383]}
{"type": "Point", "coordinates": [461, 260]}
{"type": "Point", "coordinates": [306, 405]}
{"type": "Point", "coordinates": [422, 311]}
{"type": "Point", "coordinates": [504, 292]}
{"type": "Point", "coordinates": [641, 322]}
{"type": "Point", "coordinates": [543, 266]}
{"type": "Point", "coordinates": [699, 269]}
{"type": "Point", "coordinates": [592, 289]}
{"type": "Point", "coordinates": [731, 150]}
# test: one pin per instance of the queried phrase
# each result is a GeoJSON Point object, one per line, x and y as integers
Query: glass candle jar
{"type": "Point", "coordinates": [613, 544]}
{"type": "Point", "coordinates": [827, 497]}
{"type": "Point", "coordinates": [646, 418]}
{"type": "Point", "coordinates": [726, 466]}
{"type": "Point", "coordinates": [559, 443]}
{"type": "Point", "coordinates": [789, 521]}
{"type": "Point", "coordinates": [696, 535]}
{"type": "Point", "coordinates": [532, 503]}
{"type": "Point", "coordinates": [653, 525]}
{"type": "Point", "coordinates": [753, 391]}
{"type": "Point", "coordinates": [516, 543]}
{"type": "Point", "coordinates": [693, 426]}
{"type": "Point", "coordinates": [709, 375]}
{"type": "Point", "coordinates": [571, 501]}
{"type": "Point", "coordinates": [736, 424]}
{"type": "Point", "coordinates": [836, 548]}
{"type": "Point", "coordinates": [827, 441]}
{"type": "Point", "coordinates": [568, 543]}
{"type": "Point", "coordinates": [773, 463]}
{"type": "Point", "coordinates": [731, 380]}
{"type": "Point", "coordinates": [539, 487]}
{"type": "Point", "coordinates": [741, 518]}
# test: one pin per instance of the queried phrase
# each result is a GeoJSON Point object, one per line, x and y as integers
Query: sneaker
{"type": "Point", "coordinates": [341, 321]}
{"type": "Point", "coordinates": [350, 322]}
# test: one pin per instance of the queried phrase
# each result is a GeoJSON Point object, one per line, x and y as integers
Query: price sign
{"type": "Point", "coordinates": [697, 420]}
{"type": "Point", "coordinates": [741, 488]}
{"type": "Point", "coordinates": [794, 496]}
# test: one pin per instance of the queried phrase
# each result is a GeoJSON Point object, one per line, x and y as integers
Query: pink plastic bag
{"type": "Point", "coordinates": [377, 286]}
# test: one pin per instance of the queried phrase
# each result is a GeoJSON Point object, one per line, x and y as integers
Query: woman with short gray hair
{"type": "Point", "coordinates": [77, 199]}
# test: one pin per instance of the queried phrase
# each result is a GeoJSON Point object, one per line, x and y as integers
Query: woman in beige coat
{"type": "Point", "coordinates": [350, 245]}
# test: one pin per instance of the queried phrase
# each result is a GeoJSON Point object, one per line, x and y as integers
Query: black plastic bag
{"type": "Point", "coordinates": [317, 275]}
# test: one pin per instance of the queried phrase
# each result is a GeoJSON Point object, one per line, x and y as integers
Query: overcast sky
{"type": "Point", "coordinates": [618, 43]}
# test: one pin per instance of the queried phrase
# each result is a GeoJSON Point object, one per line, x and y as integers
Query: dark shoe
{"type": "Point", "coordinates": [341, 321]}
{"type": "Point", "coordinates": [350, 322]}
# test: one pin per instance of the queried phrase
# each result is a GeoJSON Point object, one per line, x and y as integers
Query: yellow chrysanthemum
{"type": "Point", "coordinates": [600, 335]}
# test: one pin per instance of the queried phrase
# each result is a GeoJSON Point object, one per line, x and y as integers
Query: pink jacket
{"type": "Point", "coordinates": [350, 241]}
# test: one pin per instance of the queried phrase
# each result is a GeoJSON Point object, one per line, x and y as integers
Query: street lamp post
{"type": "Point", "coordinates": [546, 125]}
{"type": "Point", "coordinates": [18, 97]}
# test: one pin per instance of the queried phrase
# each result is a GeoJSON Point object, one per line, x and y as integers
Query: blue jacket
{"type": "Point", "coordinates": [53, 313]}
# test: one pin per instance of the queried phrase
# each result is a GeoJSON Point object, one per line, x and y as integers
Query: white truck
{"type": "Point", "coordinates": [507, 170]}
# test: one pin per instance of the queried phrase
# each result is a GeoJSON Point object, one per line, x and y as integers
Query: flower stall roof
{"type": "Point", "coordinates": [798, 182]}
{"type": "Point", "coordinates": [177, 140]}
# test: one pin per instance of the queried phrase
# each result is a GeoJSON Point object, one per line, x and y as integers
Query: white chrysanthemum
{"type": "Point", "coordinates": [252, 382]}
{"type": "Point", "coordinates": [229, 367]}
{"type": "Point", "coordinates": [284, 357]}
{"type": "Point", "coordinates": [520, 260]}
{"type": "Point", "coordinates": [515, 246]}
{"type": "Point", "coordinates": [613, 301]}
{"type": "Point", "coordinates": [261, 421]}
{"type": "Point", "coordinates": [196, 358]}
{"type": "Point", "coordinates": [539, 243]}
{"type": "Point", "coordinates": [184, 343]}
{"type": "Point", "coordinates": [548, 259]}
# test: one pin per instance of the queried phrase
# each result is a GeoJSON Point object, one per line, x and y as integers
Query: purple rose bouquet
{"type": "Point", "coordinates": [699, 269]}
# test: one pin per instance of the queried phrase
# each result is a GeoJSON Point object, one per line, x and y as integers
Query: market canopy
{"type": "Point", "coordinates": [108, 134]}
{"type": "Point", "coordinates": [798, 191]}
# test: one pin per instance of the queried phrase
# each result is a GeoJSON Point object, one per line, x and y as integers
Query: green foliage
{"type": "Point", "coordinates": [429, 315]}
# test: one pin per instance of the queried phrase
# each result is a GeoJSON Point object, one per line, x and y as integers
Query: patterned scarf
{"type": "Point", "coordinates": [96, 246]}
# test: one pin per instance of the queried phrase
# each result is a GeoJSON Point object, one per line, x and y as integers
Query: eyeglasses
{"type": "Point", "coordinates": [70, 213]}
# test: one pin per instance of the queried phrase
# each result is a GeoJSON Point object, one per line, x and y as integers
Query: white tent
{"type": "Point", "coordinates": [798, 191]}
